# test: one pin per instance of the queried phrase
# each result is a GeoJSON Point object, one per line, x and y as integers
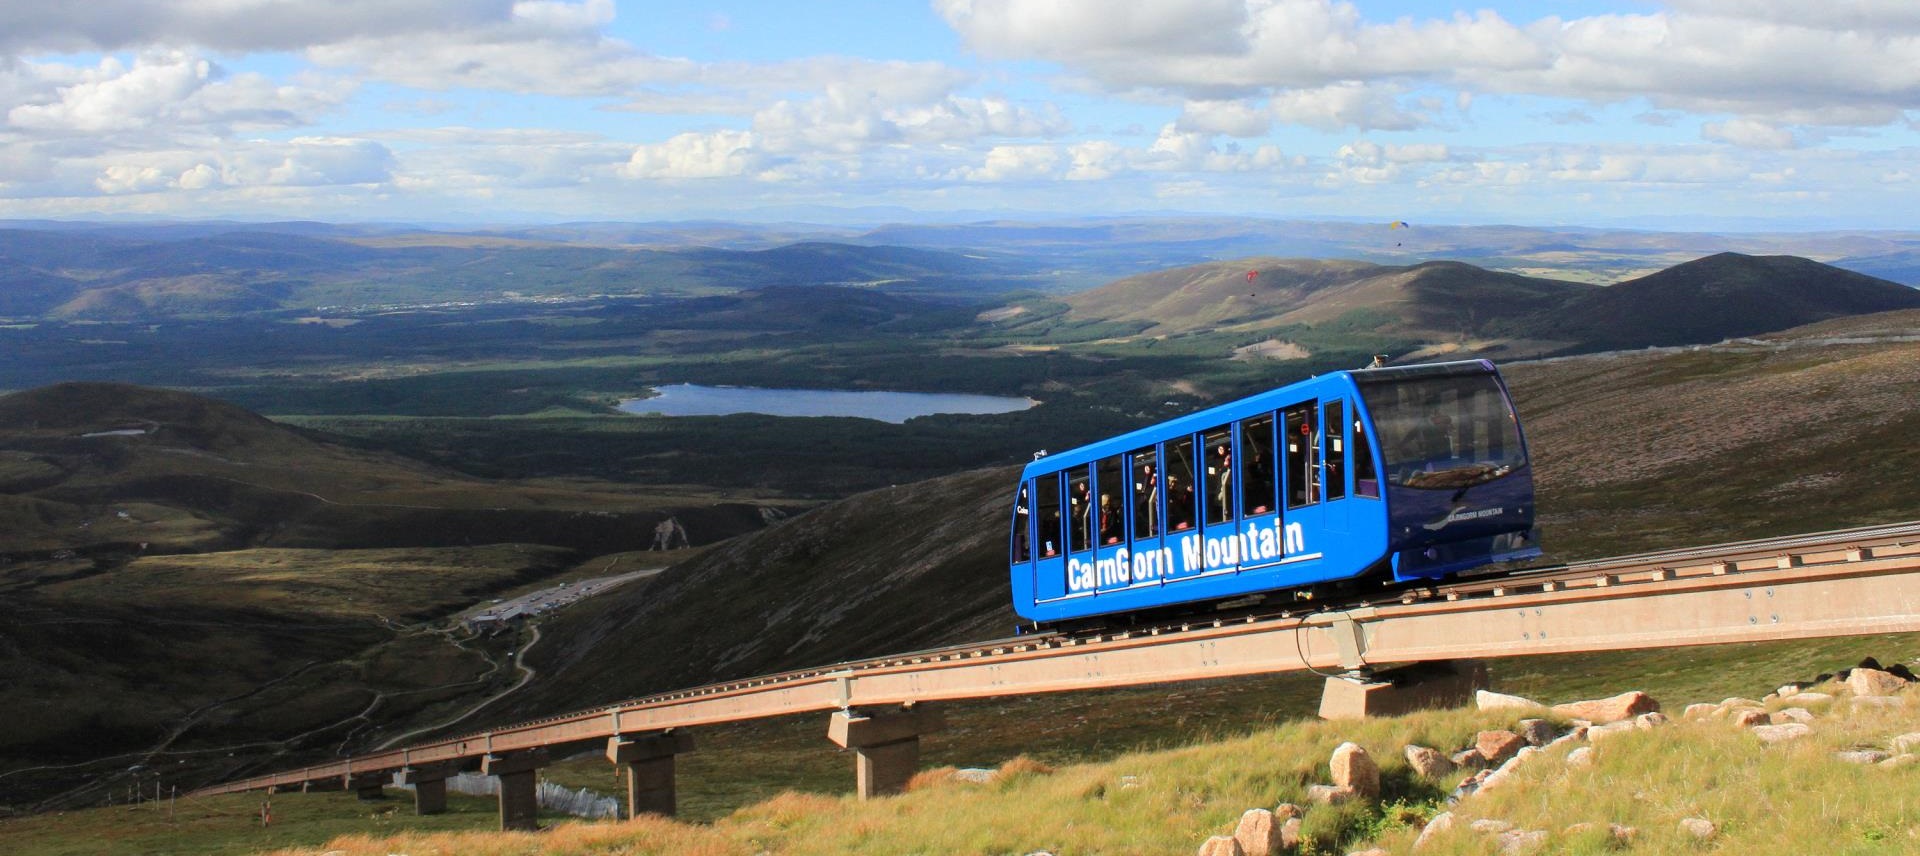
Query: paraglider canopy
{"type": "Point", "coordinates": [1398, 224]}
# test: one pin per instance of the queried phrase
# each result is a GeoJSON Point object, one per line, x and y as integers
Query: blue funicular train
{"type": "Point", "coordinates": [1392, 473]}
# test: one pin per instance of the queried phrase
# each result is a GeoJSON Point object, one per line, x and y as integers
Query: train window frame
{"type": "Point", "coordinates": [1217, 489]}
{"type": "Point", "coordinates": [1149, 485]}
{"type": "Point", "coordinates": [1079, 506]}
{"type": "Point", "coordinates": [1021, 542]}
{"type": "Point", "coordinates": [1334, 464]}
{"type": "Point", "coordinates": [1046, 497]}
{"type": "Point", "coordinates": [1109, 515]}
{"type": "Point", "coordinates": [1366, 476]}
{"type": "Point", "coordinates": [1180, 485]}
{"type": "Point", "coordinates": [1303, 458]}
{"type": "Point", "coordinates": [1249, 484]}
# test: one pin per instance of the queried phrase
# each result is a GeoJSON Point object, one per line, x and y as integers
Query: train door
{"type": "Point", "coordinates": [1217, 496]}
{"type": "Point", "coordinates": [1259, 491]}
{"type": "Point", "coordinates": [1302, 531]}
{"type": "Point", "coordinates": [1145, 513]}
{"type": "Point", "coordinates": [1111, 552]}
{"type": "Point", "coordinates": [1333, 467]}
{"type": "Point", "coordinates": [1049, 543]}
{"type": "Point", "coordinates": [1081, 577]}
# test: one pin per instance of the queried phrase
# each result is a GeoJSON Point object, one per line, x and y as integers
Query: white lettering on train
{"type": "Point", "coordinates": [1126, 567]}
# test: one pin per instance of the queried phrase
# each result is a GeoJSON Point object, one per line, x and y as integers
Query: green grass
{"type": "Point", "coordinates": [1784, 799]}
{"type": "Point", "coordinates": [230, 825]}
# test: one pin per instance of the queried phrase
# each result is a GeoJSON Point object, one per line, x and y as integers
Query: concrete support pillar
{"type": "Point", "coordinates": [886, 745]}
{"type": "Point", "coordinates": [429, 783]}
{"type": "Point", "coordinates": [649, 762]}
{"type": "Point", "coordinates": [1421, 686]}
{"type": "Point", "coordinates": [369, 786]}
{"type": "Point", "coordinates": [519, 798]}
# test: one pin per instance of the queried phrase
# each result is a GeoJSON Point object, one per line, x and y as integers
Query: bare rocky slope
{"type": "Point", "coordinates": [1805, 430]}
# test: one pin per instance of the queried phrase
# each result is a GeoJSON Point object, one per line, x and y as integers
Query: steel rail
{"type": "Point", "coordinates": [1848, 582]}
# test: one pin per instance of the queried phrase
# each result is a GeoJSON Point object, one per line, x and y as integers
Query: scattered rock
{"type": "Point", "coordinates": [1788, 690]}
{"type": "Point", "coordinates": [1485, 700]}
{"type": "Point", "coordinates": [1498, 746]}
{"type": "Point", "coordinates": [1469, 759]}
{"type": "Point", "coordinates": [1580, 758]}
{"type": "Point", "coordinates": [1701, 709]}
{"type": "Point", "coordinates": [1807, 698]}
{"type": "Point", "coordinates": [1737, 702]}
{"type": "Point", "coordinates": [1506, 771]}
{"type": "Point", "coordinates": [1905, 742]}
{"type": "Point", "coordinates": [1900, 761]}
{"type": "Point", "coordinates": [973, 775]}
{"type": "Point", "coordinates": [1781, 733]}
{"type": "Point", "coordinates": [1489, 826]}
{"type": "Point", "coordinates": [1355, 770]}
{"type": "Point", "coordinates": [1521, 840]}
{"type": "Point", "coordinates": [1329, 794]}
{"type": "Point", "coordinates": [1650, 720]}
{"type": "Point", "coordinates": [1436, 827]}
{"type": "Point", "coordinates": [1286, 811]}
{"type": "Point", "coordinates": [1257, 833]}
{"type": "Point", "coordinates": [1599, 733]}
{"type": "Point", "coordinates": [1793, 714]}
{"type": "Point", "coordinates": [1290, 833]}
{"type": "Point", "coordinates": [1700, 828]}
{"type": "Point", "coordinates": [1428, 762]}
{"type": "Point", "coordinates": [1221, 845]}
{"type": "Point", "coordinates": [1873, 682]}
{"type": "Point", "coordinates": [1603, 710]}
{"type": "Point", "coordinates": [1373, 851]}
{"type": "Point", "coordinates": [1861, 756]}
{"type": "Point", "coordinates": [1751, 717]}
{"type": "Point", "coordinates": [1537, 732]}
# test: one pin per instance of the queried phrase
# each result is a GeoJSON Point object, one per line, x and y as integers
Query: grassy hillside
{"type": "Point", "coordinates": [191, 583]}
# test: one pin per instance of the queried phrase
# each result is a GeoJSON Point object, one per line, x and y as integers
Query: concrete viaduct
{"type": "Point", "coordinates": [1864, 581]}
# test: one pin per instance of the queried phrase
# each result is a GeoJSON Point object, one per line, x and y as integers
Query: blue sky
{"type": "Point", "coordinates": [1694, 114]}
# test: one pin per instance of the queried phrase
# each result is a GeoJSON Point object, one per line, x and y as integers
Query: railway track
{"type": "Point", "coordinates": [1845, 582]}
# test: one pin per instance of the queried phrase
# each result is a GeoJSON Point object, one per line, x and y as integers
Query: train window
{"type": "Point", "coordinates": [1218, 488]}
{"type": "Point", "coordinates": [1047, 506]}
{"type": "Point", "coordinates": [1256, 465]}
{"type": "Point", "coordinates": [1022, 523]}
{"type": "Point", "coordinates": [1146, 493]}
{"type": "Point", "coordinates": [1336, 469]}
{"type": "Point", "coordinates": [1303, 455]}
{"type": "Point", "coordinates": [1079, 508]}
{"type": "Point", "coordinates": [1366, 480]}
{"type": "Point", "coordinates": [1108, 517]}
{"type": "Point", "coordinates": [1180, 484]}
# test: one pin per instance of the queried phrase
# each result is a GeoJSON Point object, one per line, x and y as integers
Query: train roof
{"type": "Point", "coordinates": [1218, 414]}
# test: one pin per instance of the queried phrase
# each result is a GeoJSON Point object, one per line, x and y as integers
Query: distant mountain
{"type": "Point", "coordinates": [105, 467]}
{"type": "Point", "coordinates": [1705, 300]}
{"type": "Point", "coordinates": [1434, 298]}
{"type": "Point", "coordinates": [1719, 297]}
{"type": "Point", "coordinates": [178, 271]}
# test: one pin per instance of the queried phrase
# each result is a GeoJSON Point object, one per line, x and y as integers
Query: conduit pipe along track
{"type": "Point", "coordinates": [1852, 582]}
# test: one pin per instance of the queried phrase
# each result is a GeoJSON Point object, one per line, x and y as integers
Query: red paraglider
{"type": "Point", "coordinates": [1252, 275]}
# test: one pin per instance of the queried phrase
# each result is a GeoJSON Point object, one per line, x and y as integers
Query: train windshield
{"type": "Point", "coordinates": [1445, 433]}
